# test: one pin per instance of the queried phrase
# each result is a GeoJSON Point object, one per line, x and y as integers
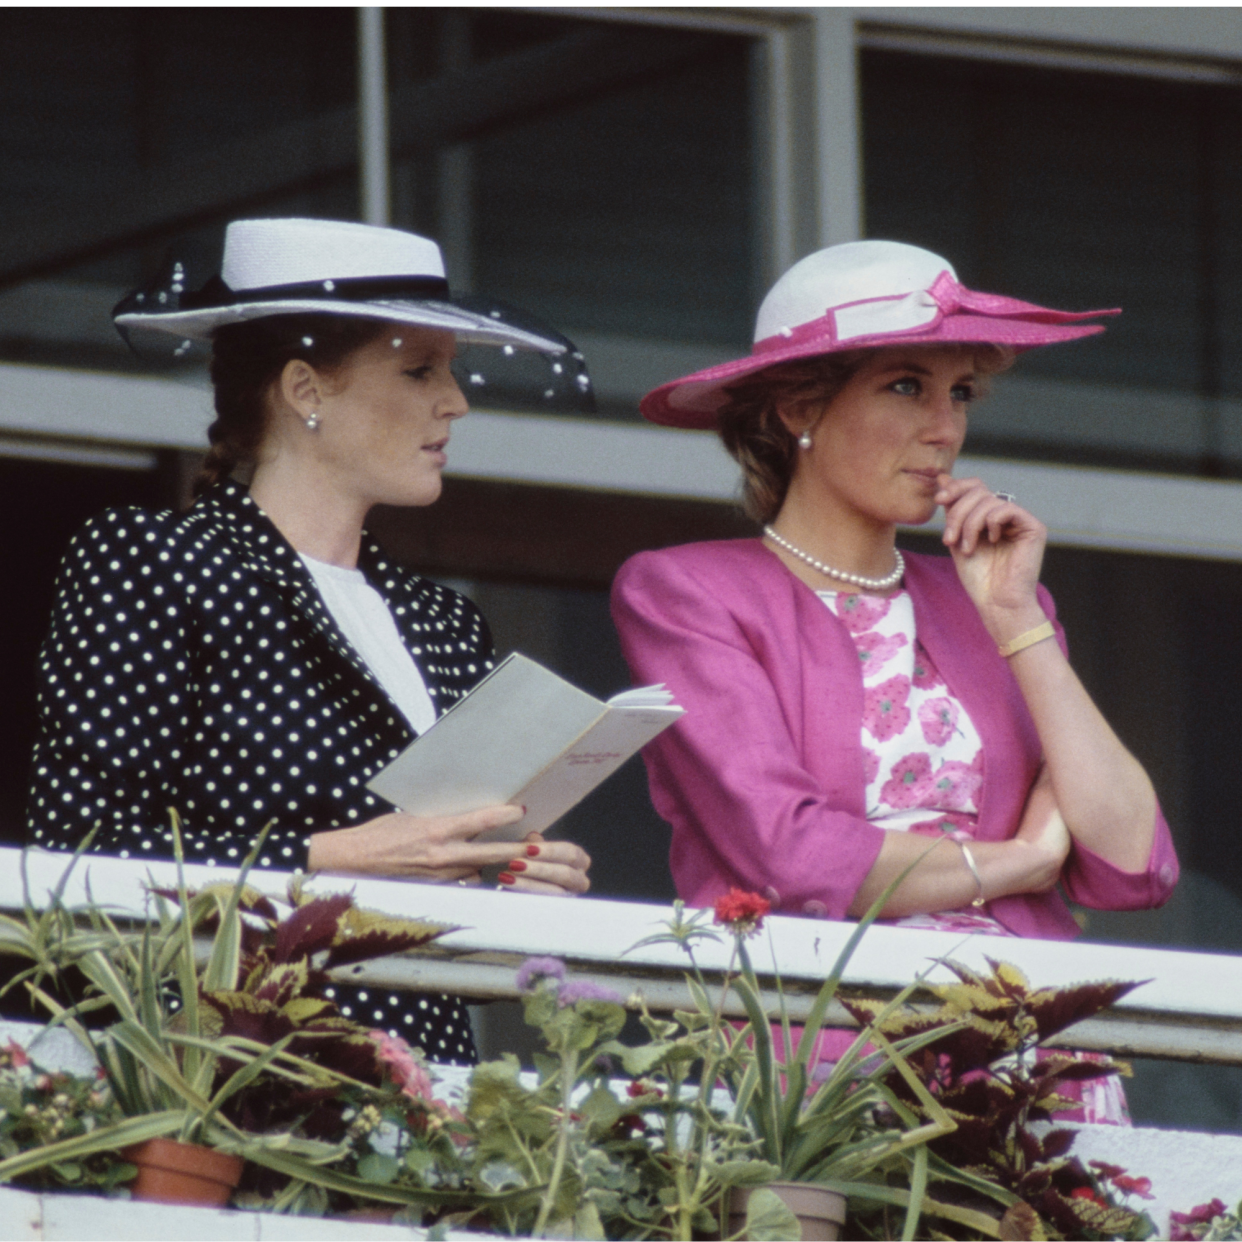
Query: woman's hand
{"type": "Point", "coordinates": [441, 849]}
{"type": "Point", "coordinates": [557, 867]}
{"type": "Point", "coordinates": [998, 549]}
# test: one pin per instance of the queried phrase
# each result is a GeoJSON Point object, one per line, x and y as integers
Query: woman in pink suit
{"type": "Point", "coordinates": [847, 706]}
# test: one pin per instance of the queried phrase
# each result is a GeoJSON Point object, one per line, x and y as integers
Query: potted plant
{"type": "Point", "coordinates": [811, 1134]}
{"type": "Point", "coordinates": [239, 1056]}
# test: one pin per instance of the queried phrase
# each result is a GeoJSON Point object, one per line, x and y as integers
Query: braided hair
{"type": "Point", "coordinates": [247, 359]}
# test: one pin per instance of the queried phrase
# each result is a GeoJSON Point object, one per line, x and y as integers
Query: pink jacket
{"type": "Point", "coordinates": [762, 779]}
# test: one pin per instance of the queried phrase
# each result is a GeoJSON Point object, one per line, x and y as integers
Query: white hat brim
{"type": "Point", "coordinates": [469, 327]}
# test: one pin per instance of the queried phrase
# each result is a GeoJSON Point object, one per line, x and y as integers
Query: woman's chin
{"type": "Point", "coordinates": [414, 495]}
{"type": "Point", "coordinates": [917, 514]}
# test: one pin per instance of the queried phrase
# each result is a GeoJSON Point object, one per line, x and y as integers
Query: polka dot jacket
{"type": "Point", "coordinates": [191, 663]}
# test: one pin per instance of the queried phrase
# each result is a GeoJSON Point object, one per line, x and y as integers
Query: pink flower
{"type": "Point", "coordinates": [16, 1054]}
{"type": "Point", "coordinates": [957, 784]}
{"type": "Point", "coordinates": [871, 765]}
{"type": "Point", "coordinates": [404, 1066]}
{"type": "Point", "coordinates": [909, 782]}
{"type": "Point", "coordinates": [861, 612]}
{"type": "Point", "coordinates": [938, 718]}
{"type": "Point", "coordinates": [875, 649]}
{"type": "Point", "coordinates": [926, 675]}
{"type": "Point", "coordinates": [885, 713]}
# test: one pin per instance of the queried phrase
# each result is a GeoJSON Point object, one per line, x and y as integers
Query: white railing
{"type": "Point", "coordinates": [1189, 1007]}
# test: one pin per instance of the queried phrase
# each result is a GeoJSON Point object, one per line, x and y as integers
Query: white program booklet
{"type": "Point", "coordinates": [524, 736]}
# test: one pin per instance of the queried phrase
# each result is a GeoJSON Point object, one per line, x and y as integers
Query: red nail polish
{"type": "Point", "coordinates": [517, 865]}
{"type": "Point", "coordinates": [532, 851]}
{"type": "Point", "coordinates": [505, 878]}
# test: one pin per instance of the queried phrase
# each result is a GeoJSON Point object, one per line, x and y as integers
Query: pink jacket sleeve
{"type": "Point", "coordinates": [754, 799]}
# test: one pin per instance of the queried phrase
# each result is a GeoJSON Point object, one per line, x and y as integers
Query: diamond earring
{"type": "Point", "coordinates": [804, 440]}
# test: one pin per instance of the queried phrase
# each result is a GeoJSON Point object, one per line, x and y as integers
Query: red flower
{"type": "Point", "coordinates": [742, 912]}
{"type": "Point", "coordinates": [1085, 1192]}
{"type": "Point", "coordinates": [640, 1086]}
{"type": "Point", "coordinates": [16, 1054]}
{"type": "Point", "coordinates": [1106, 1170]}
{"type": "Point", "coordinates": [1140, 1186]}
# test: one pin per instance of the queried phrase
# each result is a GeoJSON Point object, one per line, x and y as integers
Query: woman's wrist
{"type": "Point", "coordinates": [1005, 624]}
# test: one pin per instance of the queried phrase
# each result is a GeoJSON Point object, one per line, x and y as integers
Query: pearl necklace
{"type": "Point", "coordinates": [867, 584]}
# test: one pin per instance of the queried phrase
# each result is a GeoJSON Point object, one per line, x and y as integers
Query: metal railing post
{"type": "Point", "coordinates": [375, 199]}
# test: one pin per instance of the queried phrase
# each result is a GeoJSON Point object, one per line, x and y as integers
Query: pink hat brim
{"type": "Point", "coordinates": [695, 400]}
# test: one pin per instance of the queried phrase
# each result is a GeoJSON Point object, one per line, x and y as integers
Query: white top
{"type": "Point", "coordinates": [363, 617]}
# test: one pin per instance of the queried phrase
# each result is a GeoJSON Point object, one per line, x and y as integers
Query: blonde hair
{"type": "Point", "coordinates": [753, 431]}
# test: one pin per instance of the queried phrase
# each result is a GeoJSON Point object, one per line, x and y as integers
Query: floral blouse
{"type": "Point", "coordinates": [923, 755]}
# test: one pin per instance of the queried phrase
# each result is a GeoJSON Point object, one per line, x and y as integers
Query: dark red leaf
{"type": "Point", "coordinates": [310, 928]}
{"type": "Point", "coordinates": [1058, 1142]}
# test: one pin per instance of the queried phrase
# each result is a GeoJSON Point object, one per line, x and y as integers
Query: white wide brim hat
{"type": "Point", "coordinates": [866, 295]}
{"type": "Point", "coordinates": [299, 266]}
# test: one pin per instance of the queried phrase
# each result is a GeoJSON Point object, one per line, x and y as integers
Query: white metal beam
{"type": "Point", "coordinates": [1083, 507]}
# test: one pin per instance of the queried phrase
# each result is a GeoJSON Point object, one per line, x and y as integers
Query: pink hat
{"type": "Point", "coordinates": [864, 295]}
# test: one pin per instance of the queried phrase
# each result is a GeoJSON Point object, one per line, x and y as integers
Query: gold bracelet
{"type": "Point", "coordinates": [1029, 639]}
{"type": "Point", "coordinates": [974, 870]}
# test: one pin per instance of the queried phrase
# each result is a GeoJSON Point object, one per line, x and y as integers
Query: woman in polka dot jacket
{"type": "Point", "coordinates": [259, 658]}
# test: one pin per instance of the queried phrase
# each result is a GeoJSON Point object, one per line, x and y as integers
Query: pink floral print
{"type": "Point", "coordinates": [938, 718]}
{"type": "Point", "coordinates": [958, 784]}
{"type": "Point", "coordinates": [861, 612]}
{"type": "Point", "coordinates": [885, 713]}
{"type": "Point", "coordinates": [943, 825]}
{"type": "Point", "coordinates": [909, 783]}
{"type": "Point", "coordinates": [875, 649]}
{"type": "Point", "coordinates": [926, 675]}
{"type": "Point", "coordinates": [871, 765]}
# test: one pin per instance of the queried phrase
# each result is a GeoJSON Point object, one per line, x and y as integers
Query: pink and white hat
{"type": "Point", "coordinates": [866, 295]}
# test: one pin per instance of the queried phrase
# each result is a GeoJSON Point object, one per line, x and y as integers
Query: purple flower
{"type": "Point", "coordinates": [536, 968]}
{"type": "Point", "coordinates": [1189, 1226]}
{"type": "Point", "coordinates": [583, 989]}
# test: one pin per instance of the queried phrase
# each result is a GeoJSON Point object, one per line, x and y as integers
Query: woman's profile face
{"type": "Point", "coordinates": [386, 415]}
{"type": "Point", "coordinates": [880, 443]}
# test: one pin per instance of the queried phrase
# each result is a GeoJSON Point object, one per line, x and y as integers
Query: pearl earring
{"type": "Point", "coordinates": [804, 440]}
{"type": "Point", "coordinates": [312, 423]}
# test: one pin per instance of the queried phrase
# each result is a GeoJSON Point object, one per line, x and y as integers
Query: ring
{"type": "Point", "coordinates": [1006, 496]}
{"type": "Point", "coordinates": [462, 884]}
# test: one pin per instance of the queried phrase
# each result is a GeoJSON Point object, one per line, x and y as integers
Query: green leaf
{"type": "Point", "coordinates": [587, 1224]}
{"type": "Point", "coordinates": [746, 1172]}
{"type": "Point", "coordinates": [601, 1108]}
{"type": "Point", "coordinates": [769, 1220]}
{"type": "Point", "coordinates": [379, 1168]}
{"type": "Point", "coordinates": [222, 966]}
{"type": "Point", "coordinates": [104, 1138]}
{"type": "Point", "coordinates": [638, 1061]}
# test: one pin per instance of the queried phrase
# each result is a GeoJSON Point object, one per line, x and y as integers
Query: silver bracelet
{"type": "Point", "coordinates": [974, 870]}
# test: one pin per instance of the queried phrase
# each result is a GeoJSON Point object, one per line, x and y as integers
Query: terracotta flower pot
{"type": "Point", "coordinates": [820, 1212]}
{"type": "Point", "coordinates": [173, 1172]}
